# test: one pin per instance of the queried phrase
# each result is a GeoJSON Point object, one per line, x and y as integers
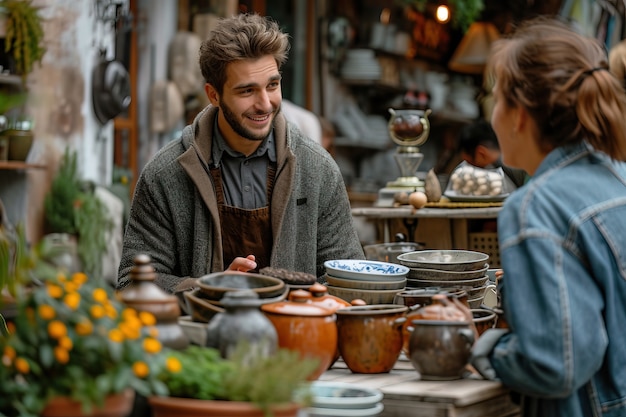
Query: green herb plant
{"type": "Point", "coordinates": [463, 12]}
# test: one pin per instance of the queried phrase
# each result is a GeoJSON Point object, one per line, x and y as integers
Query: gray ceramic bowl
{"type": "Point", "coordinates": [472, 283]}
{"type": "Point", "coordinates": [214, 286]}
{"type": "Point", "coordinates": [365, 285]}
{"type": "Point", "coordinates": [447, 260]}
{"type": "Point", "coordinates": [441, 275]}
{"type": "Point", "coordinates": [369, 296]}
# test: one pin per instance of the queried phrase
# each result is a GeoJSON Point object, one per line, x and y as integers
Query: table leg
{"type": "Point", "coordinates": [411, 225]}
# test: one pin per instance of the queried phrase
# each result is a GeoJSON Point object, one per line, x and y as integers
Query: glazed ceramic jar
{"type": "Point", "coordinates": [143, 294]}
{"type": "Point", "coordinates": [242, 322]}
{"type": "Point", "coordinates": [370, 337]}
{"type": "Point", "coordinates": [306, 327]}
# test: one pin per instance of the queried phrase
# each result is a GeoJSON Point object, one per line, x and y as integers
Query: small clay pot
{"type": "Point", "coordinates": [439, 350]}
{"type": "Point", "coordinates": [305, 327]}
{"type": "Point", "coordinates": [483, 319]}
{"type": "Point", "coordinates": [370, 337]}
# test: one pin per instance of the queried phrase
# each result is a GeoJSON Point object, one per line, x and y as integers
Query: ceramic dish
{"type": "Point", "coordinates": [365, 285]}
{"type": "Point", "coordinates": [365, 270]}
{"type": "Point", "coordinates": [454, 197]}
{"type": "Point", "coordinates": [334, 394]}
{"type": "Point", "coordinates": [369, 296]}
{"type": "Point", "coordinates": [447, 260]}
{"type": "Point", "coordinates": [422, 283]}
{"type": "Point", "coordinates": [215, 285]}
{"type": "Point", "coordinates": [338, 412]}
{"type": "Point", "coordinates": [440, 275]}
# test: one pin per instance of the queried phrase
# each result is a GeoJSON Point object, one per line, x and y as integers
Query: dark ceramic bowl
{"type": "Point", "coordinates": [447, 260]}
{"type": "Point", "coordinates": [200, 309]}
{"type": "Point", "coordinates": [214, 286]}
{"type": "Point", "coordinates": [483, 319]}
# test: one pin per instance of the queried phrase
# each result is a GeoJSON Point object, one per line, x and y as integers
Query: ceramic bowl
{"type": "Point", "coordinates": [200, 308]}
{"type": "Point", "coordinates": [447, 260]}
{"type": "Point", "coordinates": [388, 252]}
{"type": "Point", "coordinates": [365, 270]}
{"type": "Point", "coordinates": [214, 286]}
{"type": "Point", "coordinates": [441, 275]}
{"type": "Point", "coordinates": [335, 394]}
{"type": "Point", "coordinates": [343, 412]}
{"type": "Point", "coordinates": [472, 283]}
{"type": "Point", "coordinates": [483, 319]}
{"type": "Point", "coordinates": [475, 302]}
{"type": "Point", "coordinates": [365, 285]}
{"type": "Point", "coordinates": [369, 296]}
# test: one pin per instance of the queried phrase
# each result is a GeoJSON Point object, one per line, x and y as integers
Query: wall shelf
{"type": "Point", "coordinates": [19, 165]}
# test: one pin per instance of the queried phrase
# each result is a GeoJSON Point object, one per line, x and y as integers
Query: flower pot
{"type": "Point", "coordinates": [189, 407]}
{"type": "Point", "coordinates": [115, 405]}
{"type": "Point", "coordinates": [20, 142]}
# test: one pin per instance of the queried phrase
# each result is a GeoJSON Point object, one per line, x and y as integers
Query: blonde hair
{"type": "Point", "coordinates": [561, 78]}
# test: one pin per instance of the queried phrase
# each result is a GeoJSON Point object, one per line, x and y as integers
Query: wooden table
{"type": "Point", "coordinates": [457, 220]}
{"type": "Point", "coordinates": [406, 395]}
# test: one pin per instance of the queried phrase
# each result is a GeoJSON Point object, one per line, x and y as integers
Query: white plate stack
{"type": "Point", "coordinates": [362, 65]}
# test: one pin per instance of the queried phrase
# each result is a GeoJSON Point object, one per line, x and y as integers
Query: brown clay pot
{"type": "Point", "coordinates": [321, 297]}
{"type": "Point", "coordinates": [189, 407]}
{"type": "Point", "coordinates": [370, 337]}
{"type": "Point", "coordinates": [305, 327]}
{"type": "Point", "coordinates": [483, 319]}
{"type": "Point", "coordinates": [115, 405]}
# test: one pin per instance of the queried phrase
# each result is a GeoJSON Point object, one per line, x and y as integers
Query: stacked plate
{"type": "Point", "coordinates": [341, 399]}
{"type": "Point", "coordinates": [459, 269]}
{"type": "Point", "coordinates": [374, 282]}
{"type": "Point", "coordinates": [361, 64]}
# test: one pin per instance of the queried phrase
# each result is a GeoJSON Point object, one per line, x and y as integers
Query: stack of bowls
{"type": "Point", "coordinates": [457, 269]}
{"type": "Point", "coordinates": [374, 282]}
{"type": "Point", "coordinates": [341, 399]}
{"type": "Point", "coordinates": [204, 301]}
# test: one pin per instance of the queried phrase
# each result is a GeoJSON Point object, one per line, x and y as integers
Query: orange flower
{"type": "Point", "coordinates": [116, 335]}
{"type": "Point", "coordinates": [46, 312]}
{"type": "Point", "coordinates": [79, 278]}
{"type": "Point", "coordinates": [97, 311]}
{"type": "Point", "coordinates": [57, 329]}
{"type": "Point", "coordinates": [100, 295]}
{"type": "Point", "coordinates": [173, 365]}
{"type": "Point", "coordinates": [8, 355]}
{"type": "Point", "coordinates": [130, 332]}
{"type": "Point", "coordinates": [72, 300]}
{"type": "Point", "coordinates": [22, 365]}
{"type": "Point", "coordinates": [70, 286]}
{"type": "Point", "coordinates": [110, 311]}
{"type": "Point", "coordinates": [62, 355]}
{"type": "Point", "coordinates": [55, 291]}
{"type": "Point", "coordinates": [129, 313]}
{"type": "Point", "coordinates": [66, 343]}
{"type": "Point", "coordinates": [140, 369]}
{"type": "Point", "coordinates": [147, 318]}
{"type": "Point", "coordinates": [151, 345]}
{"type": "Point", "coordinates": [84, 328]}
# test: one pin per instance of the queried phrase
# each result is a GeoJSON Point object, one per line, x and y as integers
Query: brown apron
{"type": "Point", "coordinates": [245, 231]}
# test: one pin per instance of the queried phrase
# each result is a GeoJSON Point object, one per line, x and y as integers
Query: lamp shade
{"type": "Point", "coordinates": [471, 55]}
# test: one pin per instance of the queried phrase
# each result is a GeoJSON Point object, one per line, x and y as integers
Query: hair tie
{"type": "Point", "coordinates": [592, 70]}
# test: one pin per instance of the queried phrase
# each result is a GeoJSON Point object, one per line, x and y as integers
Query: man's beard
{"type": "Point", "coordinates": [238, 127]}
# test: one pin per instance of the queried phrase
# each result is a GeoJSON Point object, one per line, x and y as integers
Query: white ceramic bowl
{"type": "Point", "coordinates": [365, 270]}
{"type": "Point", "coordinates": [334, 394]}
{"type": "Point", "coordinates": [365, 285]}
{"type": "Point", "coordinates": [448, 260]}
{"type": "Point", "coordinates": [346, 412]}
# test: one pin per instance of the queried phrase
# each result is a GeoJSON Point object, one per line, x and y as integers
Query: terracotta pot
{"type": "Point", "coordinates": [305, 327]}
{"type": "Point", "coordinates": [370, 337]}
{"type": "Point", "coordinates": [189, 407]}
{"type": "Point", "coordinates": [116, 405]}
{"type": "Point", "coordinates": [438, 349]}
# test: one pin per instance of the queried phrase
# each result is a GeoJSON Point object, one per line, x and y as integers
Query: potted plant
{"type": "Point", "coordinates": [463, 12]}
{"type": "Point", "coordinates": [71, 206]}
{"type": "Point", "coordinates": [24, 34]}
{"type": "Point", "coordinates": [242, 385]}
{"type": "Point", "coordinates": [73, 344]}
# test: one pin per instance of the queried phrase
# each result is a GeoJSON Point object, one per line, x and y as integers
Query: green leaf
{"type": "Point", "coordinates": [46, 355]}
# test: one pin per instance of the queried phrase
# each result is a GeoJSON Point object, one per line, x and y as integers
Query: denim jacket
{"type": "Point", "coordinates": [563, 249]}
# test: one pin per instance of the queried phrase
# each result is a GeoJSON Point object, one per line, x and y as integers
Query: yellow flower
{"type": "Point", "coordinates": [173, 365]}
{"type": "Point", "coordinates": [22, 365]}
{"type": "Point", "coordinates": [111, 312]}
{"type": "Point", "coordinates": [46, 312]}
{"type": "Point", "coordinates": [129, 313]}
{"type": "Point", "coordinates": [79, 278]}
{"type": "Point", "coordinates": [140, 369]}
{"type": "Point", "coordinates": [70, 286]}
{"type": "Point", "coordinates": [84, 328]}
{"type": "Point", "coordinates": [130, 331]}
{"type": "Point", "coordinates": [72, 300]}
{"type": "Point", "coordinates": [147, 318]}
{"type": "Point", "coordinates": [66, 343]}
{"type": "Point", "coordinates": [57, 329]}
{"type": "Point", "coordinates": [62, 355]}
{"type": "Point", "coordinates": [116, 335]}
{"type": "Point", "coordinates": [100, 295]}
{"type": "Point", "coordinates": [151, 345]}
{"type": "Point", "coordinates": [55, 291]}
{"type": "Point", "coordinates": [97, 311]}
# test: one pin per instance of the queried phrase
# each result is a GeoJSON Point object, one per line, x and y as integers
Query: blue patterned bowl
{"type": "Point", "coordinates": [365, 270]}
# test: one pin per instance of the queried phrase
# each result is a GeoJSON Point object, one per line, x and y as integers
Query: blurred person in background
{"type": "Point", "coordinates": [559, 115]}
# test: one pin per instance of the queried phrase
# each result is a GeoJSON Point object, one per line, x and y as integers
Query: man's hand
{"type": "Point", "coordinates": [243, 264]}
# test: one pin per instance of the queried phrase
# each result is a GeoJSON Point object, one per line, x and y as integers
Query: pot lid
{"type": "Point", "coordinates": [299, 304]}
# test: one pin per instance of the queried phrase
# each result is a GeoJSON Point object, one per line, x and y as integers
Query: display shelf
{"type": "Point", "coordinates": [19, 165]}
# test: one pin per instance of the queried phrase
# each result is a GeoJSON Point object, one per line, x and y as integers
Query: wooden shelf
{"type": "Point", "coordinates": [17, 165]}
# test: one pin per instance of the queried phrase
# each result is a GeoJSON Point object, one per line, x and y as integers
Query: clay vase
{"type": "Point", "coordinates": [439, 350]}
{"type": "Point", "coordinates": [143, 294]}
{"type": "Point", "coordinates": [370, 337]}
{"type": "Point", "coordinates": [115, 405]}
{"type": "Point", "coordinates": [190, 407]}
{"type": "Point", "coordinates": [242, 322]}
{"type": "Point", "coordinates": [305, 327]}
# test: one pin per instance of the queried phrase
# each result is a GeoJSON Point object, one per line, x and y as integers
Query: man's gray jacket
{"type": "Point", "coordinates": [174, 216]}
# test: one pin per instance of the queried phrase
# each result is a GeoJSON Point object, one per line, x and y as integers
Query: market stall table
{"type": "Point", "coordinates": [406, 395]}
